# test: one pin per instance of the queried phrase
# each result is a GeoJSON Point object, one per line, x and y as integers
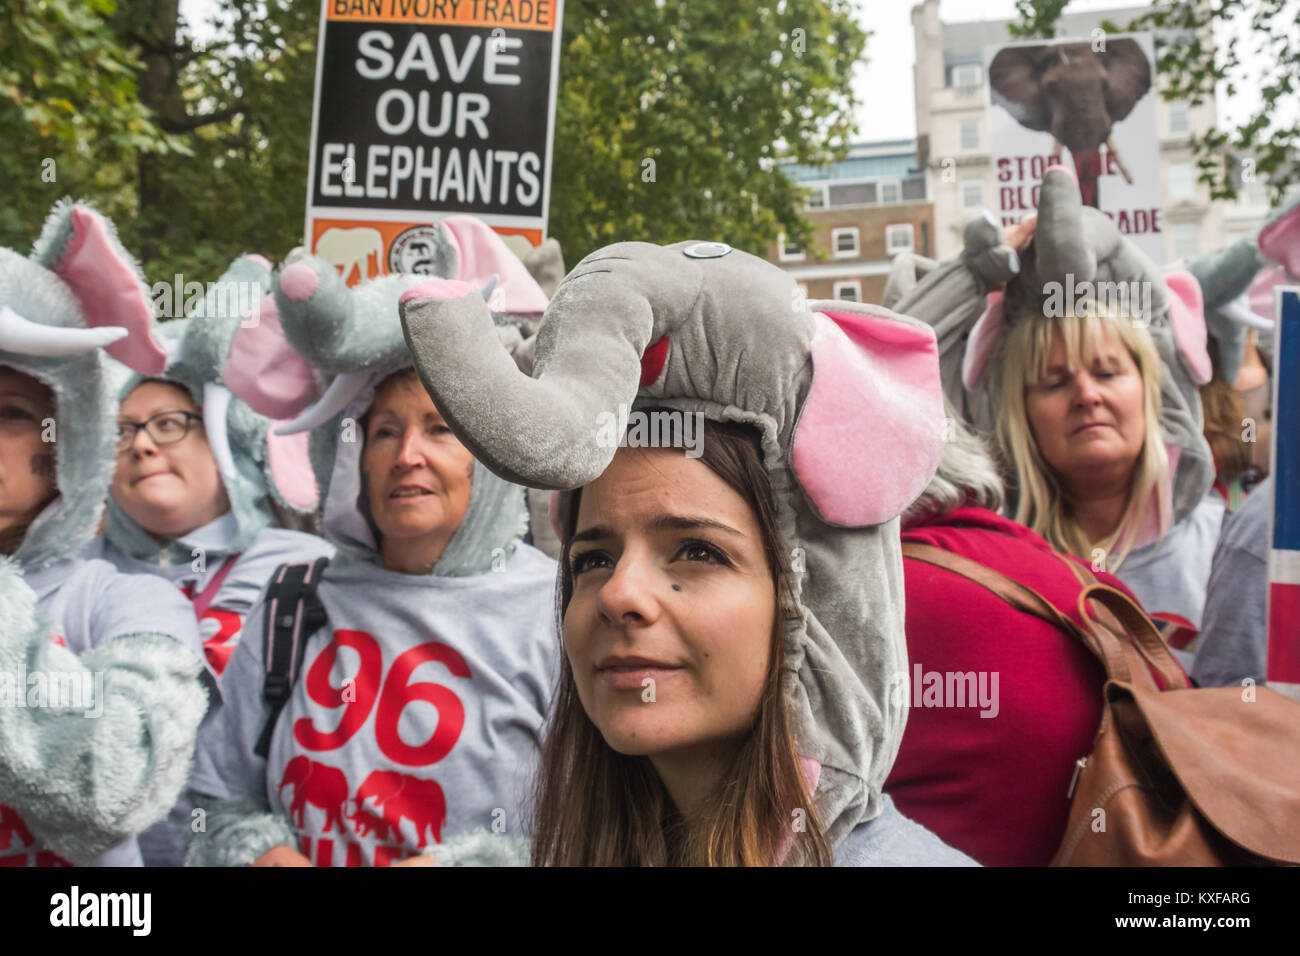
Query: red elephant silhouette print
{"type": "Point", "coordinates": [355, 701]}
{"type": "Point", "coordinates": [398, 797]}
{"type": "Point", "coordinates": [318, 784]}
{"type": "Point", "coordinates": [11, 825]}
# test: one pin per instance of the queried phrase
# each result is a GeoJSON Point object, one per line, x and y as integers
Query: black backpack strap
{"type": "Point", "coordinates": [293, 613]}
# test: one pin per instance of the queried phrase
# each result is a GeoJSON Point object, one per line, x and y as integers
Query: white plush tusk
{"type": "Point", "coordinates": [1236, 311]}
{"type": "Point", "coordinates": [489, 287]}
{"type": "Point", "coordinates": [216, 404]}
{"type": "Point", "coordinates": [1119, 161]}
{"type": "Point", "coordinates": [337, 397]}
{"type": "Point", "coordinates": [26, 337]}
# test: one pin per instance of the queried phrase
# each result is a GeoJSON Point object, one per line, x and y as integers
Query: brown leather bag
{"type": "Point", "coordinates": [1177, 776]}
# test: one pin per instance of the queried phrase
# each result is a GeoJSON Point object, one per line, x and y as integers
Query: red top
{"type": "Point", "coordinates": [993, 786]}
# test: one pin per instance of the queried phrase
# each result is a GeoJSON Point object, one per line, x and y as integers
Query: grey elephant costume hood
{"type": "Point", "coordinates": [256, 466]}
{"type": "Point", "coordinates": [846, 400]}
{"type": "Point", "coordinates": [1076, 249]}
{"type": "Point", "coordinates": [316, 357]}
{"type": "Point", "coordinates": [84, 787]}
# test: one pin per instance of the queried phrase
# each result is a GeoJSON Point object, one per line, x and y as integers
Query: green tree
{"type": "Point", "coordinates": [672, 114]}
{"type": "Point", "coordinates": [1192, 65]}
{"type": "Point", "coordinates": [199, 150]}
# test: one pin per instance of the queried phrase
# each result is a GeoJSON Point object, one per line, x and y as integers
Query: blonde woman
{"type": "Point", "coordinates": [1086, 374]}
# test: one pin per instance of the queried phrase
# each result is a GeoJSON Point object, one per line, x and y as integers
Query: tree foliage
{"type": "Point", "coordinates": [1193, 65]}
{"type": "Point", "coordinates": [199, 150]}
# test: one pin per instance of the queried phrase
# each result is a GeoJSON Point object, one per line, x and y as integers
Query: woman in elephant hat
{"type": "Point", "coordinates": [733, 688]}
{"type": "Point", "coordinates": [198, 476]}
{"type": "Point", "coordinates": [71, 788]}
{"type": "Point", "coordinates": [1086, 372]}
{"type": "Point", "coordinates": [417, 712]}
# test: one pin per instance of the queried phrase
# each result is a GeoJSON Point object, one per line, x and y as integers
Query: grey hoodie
{"type": "Point", "coordinates": [448, 674]}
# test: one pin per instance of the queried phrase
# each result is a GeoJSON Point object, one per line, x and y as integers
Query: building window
{"type": "Point", "coordinates": [1185, 240]}
{"type": "Point", "coordinates": [968, 74]}
{"type": "Point", "coordinates": [891, 191]}
{"type": "Point", "coordinates": [845, 242]}
{"type": "Point", "coordinates": [1182, 181]}
{"type": "Point", "coordinates": [849, 291]}
{"type": "Point", "coordinates": [970, 134]}
{"type": "Point", "coordinates": [789, 251]}
{"type": "Point", "coordinates": [816, 199]}
{"type": "Point", "coordinates": [1180, 119]}
{"type": "Point", "coordinates": [972, 194]}
{"type": "Point", "coordinates": [899, 238]}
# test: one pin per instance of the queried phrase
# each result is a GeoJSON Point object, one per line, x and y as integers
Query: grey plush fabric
{"type": "Point", "coordinates": [236, 832]}
{"type": "Point", "coordinates": [735, 351]}
{"type": "Point", "coordinates": [483, 848]}
{"type": "Point", "coordinates": [85, 785]}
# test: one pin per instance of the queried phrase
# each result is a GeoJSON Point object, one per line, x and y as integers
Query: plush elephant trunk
{"type": "Point", "coordinates": [587, 365]}
{"type": "Point", "coordinates": [1060, 241]}
{"type": "Point", "coordinates": [1226, 274]}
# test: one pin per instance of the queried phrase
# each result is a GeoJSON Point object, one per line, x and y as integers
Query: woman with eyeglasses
{"type": "Point", "coordinates": [197, 487]}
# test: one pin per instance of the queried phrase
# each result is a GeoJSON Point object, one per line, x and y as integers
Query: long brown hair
{"type": "Point", "coordinates": [597, 807]}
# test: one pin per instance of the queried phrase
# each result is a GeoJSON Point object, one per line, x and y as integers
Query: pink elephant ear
{"type": "Point", "coordinates": [291, 470]}
{"type": "Point", "coordinates": [1187, 316]}
{"type": "Point", "coordinates": [871, 432]}
{"type": "Point", "coordinates": [481, 254]}
{"type": "Point", "coordinates": [1259, 297]}
{"type": "Point", "coordinates": [1280, 240]}
{"type": "Point", "coordinates": [264, 370]}
{"type": "Point", "coordinates": [110, 291]}
{"type": "Point", "coordinates": [979, 345]}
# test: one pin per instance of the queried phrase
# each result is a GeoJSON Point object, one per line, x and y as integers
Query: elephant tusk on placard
{"type": "Point", "coordinates": [1119, 161]}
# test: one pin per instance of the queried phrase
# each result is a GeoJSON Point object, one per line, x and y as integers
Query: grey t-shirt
{"type": "Point", "coordinates": [1234, 635]}
{"type": "Point", "coordinates": [89, 602]}
{"type": "Point", "coordinates": [417, 713]}
{"type": "Point", "coordinates": [892, 839]}
{"type": "Point", "coordinates": [1169, 576]}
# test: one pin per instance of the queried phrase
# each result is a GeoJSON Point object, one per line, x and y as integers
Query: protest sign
{"type": "Point", "coordinates": [427, 108]}
{"type": "Point", "coordinates": [1284, 540]}
{"type": "Point", "coordinates": [1089, 104]}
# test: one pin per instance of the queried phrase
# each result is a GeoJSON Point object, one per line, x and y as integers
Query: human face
{"type": "Point", "coordinates": [417, 474]}
{"type": "Point", "coordinates": [168, 490]}
{"type": "Point", "coordinates": [1089, 423]}
{"type": "Point", "coordinates": [669, 627]}
{"type": "Point", "coordinates": [26, 461]}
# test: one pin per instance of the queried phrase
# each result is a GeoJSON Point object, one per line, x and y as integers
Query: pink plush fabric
{"type": "Point", "coordinates": [291, 468]}
{"type": "Point", "coordinates": [439, 289]}
{"type": "Point", "coordinates": [110, 292]}
{"type": "Point", "coordinates": [1187, 316]}
{"type": "Point", "coordinates": [481, 254]}
{"type": "Point", "coordinates": [264, 370]}
{"type": "Point", "coordinates": [261, 260]}
{"type": "Point", "coordinates": [871, 432]}
{"type": "Point", "coordinates": [1260, 294]}
{"type": "Point", "coordinates": [979, 346]}
{"type": "Point", "coordinates": [1280, 241]}
{"type": "Point", "coordinates": [299, 281]}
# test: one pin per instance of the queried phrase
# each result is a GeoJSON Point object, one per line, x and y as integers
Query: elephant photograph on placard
{"type": "Point", "coordinates": [1078, 92]}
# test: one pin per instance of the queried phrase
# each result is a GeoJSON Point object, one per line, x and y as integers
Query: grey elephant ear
{"type": "Point", "coordinates": [1015, 79]}
{"type": "Point", "coordinates": [1128, 73]}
